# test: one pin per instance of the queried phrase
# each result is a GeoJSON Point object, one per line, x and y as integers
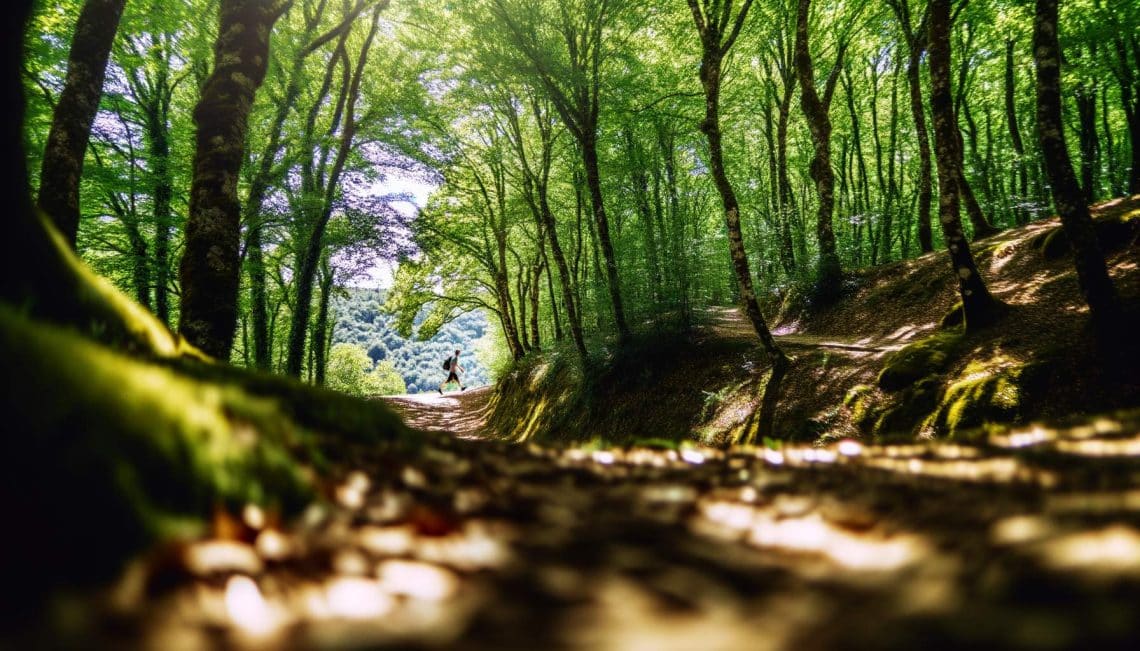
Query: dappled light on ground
{"type": "Point", "coordinates": [480, 544]}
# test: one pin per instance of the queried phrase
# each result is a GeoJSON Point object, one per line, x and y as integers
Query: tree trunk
{"type": "Point", "coordinates": [1021, 176]}
{"type": "Point", "coordinates": [1129, 78]}
{"type": "Point", "coordinates": [925, 171]}
{"type": "Point", "coordinates": [1085, 93]}
{"type": "Point", "coordinates": [594, 184]}
{"type": "Point", "coordinates": [554, 311]}
{"type": "Point", "coordinates": [321, 332]}
{"type": "Point", "coordinates": [158, 127]}
{"type": "Point", "coordinates": [787, 202]}
{"type": "Point", "coordinates": [819, 123]}
{"type": "Point", "coordinates": [66, 148]}
{"type": "Point", "coordinates": [712, 29]}
{"type": "Point", "coordinates": [535, 296]}
{"type": "Point", "coordinates": [259, 318]}
{"type": "Point", "coordinates": [307, 269]}
{"type": "Point", "coordinates": [210, 269]}
{"type": "Point", "coordinates": [978, 305]}
{"type": "Point", "coordinates": [1092, 273]}
{"type": "Point", "coordinates": [892, 186]}
{"type": "Point", "coordinates": [640, 181]}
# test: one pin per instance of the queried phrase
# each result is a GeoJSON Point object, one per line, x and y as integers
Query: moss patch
{"type": "Point", "coordinates": [919, 360]}
{"type": "Point", "coordinates": [112, 453]}
{"type": "Point", "coordinates": [987, 391]}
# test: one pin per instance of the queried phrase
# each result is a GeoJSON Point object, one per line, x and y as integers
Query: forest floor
{"type": "Point", "coordinates": [1029, 539]}
{"type": "Point", "coordinates": [1024, 537]}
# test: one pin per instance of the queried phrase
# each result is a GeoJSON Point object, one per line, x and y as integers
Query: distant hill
{"type": "Point", "coordinates": [360, 321]}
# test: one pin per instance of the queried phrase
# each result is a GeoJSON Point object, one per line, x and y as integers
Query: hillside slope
{"type": "Point", "coordinates": [886, 361]}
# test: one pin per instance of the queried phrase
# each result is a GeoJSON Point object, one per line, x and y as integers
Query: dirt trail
{"type": "Point", "coordinates": [461, 413]}
{"type": "Point", "coordinates": [730, 322]}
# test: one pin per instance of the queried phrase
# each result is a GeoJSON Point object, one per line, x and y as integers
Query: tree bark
{"type": "Point", "coordinates": [978, 305]}
{"type": "Point", "coordinates": [819, 123]}
{"type": "Point", "coordinates": [66, 148]}
{"type": "Point", "coordinates": [1092, 273]}
{"type": "Point", "coordinates": [211, 269]}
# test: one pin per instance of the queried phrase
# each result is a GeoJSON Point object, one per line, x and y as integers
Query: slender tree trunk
{"type": "Point", "coordinates": [535, 297]}
{"type": "Point", "coordinates": [571, 301]}
{"type": "Point", "coordinates": [159, 130]}
{"type": "Point", "coordinates": [1129, 77]}
{"type": "Point", "coordinates": [1021, 176]}
{"type": "Point", "coordinates": [306, 273]}
{"type": "Point", "coordinates": [979, 306]}
{"type": "Point", "coordinates": [71, 123]}
{"type": "Point", "coordinates": [259, 318]}
{"type": "Point", "coordinates": [1092, 273]}
{"type": "Point", "coordinates": [711, 28]}
{"type": "Point", "coordinates": [925, 171]}
{"type": "Point", "coordinates": [640, 180]}
{"type": "Point", "coordinates": [892, 187]}
{"type": "Point", "coordinates": [554, 311]}
{"type": "Point", "coordinates": [819, 123]}
{"type": "Point", "coordinates": [1085, 93]}
{"type": "Point", "coordinates": [787, 202]}
{"type": "Point", "coordinates": [1115, 186]}
{"type": "Point", "coordinates": [594, 184]}
{"type": "Point", "coordinates": [210, 269]}
{"type": "Point", "coordinates": [140, 267]}
{"type": "Point", "coordinates": [321, 332]}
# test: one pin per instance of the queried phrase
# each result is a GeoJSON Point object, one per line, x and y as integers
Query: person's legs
{"type": "Point", "coordinates": [451, 377]}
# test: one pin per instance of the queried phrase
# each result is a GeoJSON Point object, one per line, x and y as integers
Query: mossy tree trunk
{"type": "Point", "coordinates": [816, 109]}
{"type": "Point", "coordinates": [1092, 273]}
{"type": "Point", "coordinates": [979, 306]}
{"type": "Point", "coordinates": [75, 113]}
{"type": "Point", "coordinates": [718, 30]}
{"type": "Point", "coordinates": [211, 269]}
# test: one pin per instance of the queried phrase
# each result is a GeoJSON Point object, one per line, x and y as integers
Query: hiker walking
{"type": "Point", "coordinates": [453, 370]}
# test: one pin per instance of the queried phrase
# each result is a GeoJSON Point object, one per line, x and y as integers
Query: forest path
{"type": "Point", "coordinates": [464, 413]}
{"type": "Point", "coordinates": [730, 322]}
{"type": "Point", "coordinates": [1025, 540]}
{"type": "Point", "coordinates": [461, 413]}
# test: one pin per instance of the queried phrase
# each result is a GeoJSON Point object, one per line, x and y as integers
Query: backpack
{"type": "Point", "coordinates": [447, 364]}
